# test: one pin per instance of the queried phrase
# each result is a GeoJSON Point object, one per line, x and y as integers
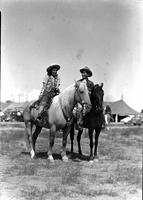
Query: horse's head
{"type": "Point", "coordinates": [97, 94]}
{"type": "Point", "coordinates": [82, 96]}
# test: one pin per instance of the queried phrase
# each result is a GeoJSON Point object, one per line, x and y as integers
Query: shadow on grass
{"type": "Point", "coordinates": [77, 157]}
{"type": "Point", "coordinates": [42, 155]}
{"type": "Point", "coordinates": [73, 156]}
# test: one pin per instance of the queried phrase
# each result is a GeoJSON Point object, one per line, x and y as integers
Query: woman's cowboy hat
{"type": "Point", "coordinates": [53, 66]}
{"type": "Point", "coordinates": [89, 72]}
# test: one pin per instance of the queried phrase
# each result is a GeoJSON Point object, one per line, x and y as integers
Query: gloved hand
{"type": "Point", "coordinates": [57, 91]}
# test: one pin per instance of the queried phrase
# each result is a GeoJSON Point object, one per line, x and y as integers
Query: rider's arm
{"type": "Point", "coordinates": [58, 82]}
{"type": "Point", "coordinates": [45, 81]}
{"type": "Point", "coordinates": [57, 90]}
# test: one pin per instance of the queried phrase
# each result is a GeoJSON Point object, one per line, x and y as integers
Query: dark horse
{"type": "Point", "coordinates": [57, 118]}
{"type": "Point", "coordinates": [93, 120]}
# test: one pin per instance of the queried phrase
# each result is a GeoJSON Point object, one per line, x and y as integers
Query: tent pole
{"type": "Point", "coordinates": [116, 118]}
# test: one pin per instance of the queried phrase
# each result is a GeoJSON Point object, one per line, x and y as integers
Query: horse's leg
{"type": "Point", "coordinates": [35, 135]}
{"type": "Point", "coordinates": [72, 136]}
{"type": "Point", "coordinates": [29, 139]}
{"type": "Point", "coordinates": [97, 133]}
{"type": "Point", "coordinates": [51, 142]}
{"type": "Point", "coordinates": [90, 132]}
{"type": "Point", "coordinates": [32, 152]}
{"type": "Point", "coordinates": [65, 135]}
{"type": "Point", "coordinates": [78, 140]}
{"type": "Point", "coordinates": [27, 134]}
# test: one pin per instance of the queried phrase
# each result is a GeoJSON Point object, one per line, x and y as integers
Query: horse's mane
{"type": "Point", "coordinates": [63, 98]}
{"type": "Point", "coordinates": [98, 88]}
{"type": "Point", "coordinates": [65, 94]}
{"type": "Point", "coordinates": [95, 93]}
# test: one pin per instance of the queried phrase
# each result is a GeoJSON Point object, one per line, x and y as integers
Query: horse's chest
{"type": "Point", "coordinates": [92, 120]}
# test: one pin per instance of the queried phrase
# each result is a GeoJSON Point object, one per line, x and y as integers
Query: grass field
{"type": "Point", "coordinates": [117, 175]}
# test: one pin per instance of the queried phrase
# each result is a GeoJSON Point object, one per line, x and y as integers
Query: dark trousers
{"type": "Point", "coordinates": [45, 100]}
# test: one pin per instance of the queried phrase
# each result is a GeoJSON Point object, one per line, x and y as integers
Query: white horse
{"type": "Point", "coordinates": [59, 114]}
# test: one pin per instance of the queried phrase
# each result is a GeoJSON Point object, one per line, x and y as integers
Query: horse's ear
{"type": "Point", "coordinates": [101, 85]}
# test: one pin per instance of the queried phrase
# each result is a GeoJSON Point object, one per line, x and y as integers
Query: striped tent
{"type": "Point", "coordinates": [121, 108]}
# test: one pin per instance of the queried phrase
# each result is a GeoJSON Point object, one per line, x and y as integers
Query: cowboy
{"type": "Point", "coordinates": [51, 83]}
{"type": "Point", "coordinates": [85, 73]}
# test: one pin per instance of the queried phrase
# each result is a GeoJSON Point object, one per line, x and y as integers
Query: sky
{"type": "Point", "coordinates": [104, 35]}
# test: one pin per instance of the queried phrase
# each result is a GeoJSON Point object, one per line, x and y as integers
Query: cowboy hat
{"type": "Point", "coordinates": [53, 66]}
{"type": "Point", "coordinates": [88, 71]}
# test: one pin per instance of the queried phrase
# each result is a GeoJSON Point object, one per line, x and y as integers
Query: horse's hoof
{"type": "Point", "coordinates": [91, 162]}
{"type": "Point", "coordinates": [65, 158]}
{"type": "Point", "coordinates": [32, 153]}
{"type": "Point", "coordinates": [50, 158]}
{"type": "Point", "coordinates": [33, 156]}
{"type": "Point", "coordinates": [96, 159]}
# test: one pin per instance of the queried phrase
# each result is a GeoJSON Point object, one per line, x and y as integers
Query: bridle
{"type": "Point", "coordinates": [85, 106]}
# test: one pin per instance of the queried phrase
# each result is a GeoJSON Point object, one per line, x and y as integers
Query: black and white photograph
{"type": "Point", "coordinates": [71, 100]}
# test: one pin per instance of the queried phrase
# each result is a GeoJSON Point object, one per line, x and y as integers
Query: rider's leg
{"type": "Point", "coordinates": [45, 102]}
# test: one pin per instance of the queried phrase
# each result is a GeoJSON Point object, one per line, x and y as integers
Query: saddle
{"type": "Point", "coordinates": [43, 118]}
{"type": "Point", "coordinates": [35, 105]}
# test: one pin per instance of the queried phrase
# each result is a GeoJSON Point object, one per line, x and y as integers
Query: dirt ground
{"type": "Point", "coordinates": [116, 176]}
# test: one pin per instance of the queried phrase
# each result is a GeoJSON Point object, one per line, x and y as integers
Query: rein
{"type": "Point", "coordinates": [68, 119]}
{"type": "Point", "coordinates": [82, 103]}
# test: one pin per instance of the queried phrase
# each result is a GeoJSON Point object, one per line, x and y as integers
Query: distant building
{"type": "Point", "coordinates": [14, 107]}
{"type": "Point", "coordinates": [120, 109]}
